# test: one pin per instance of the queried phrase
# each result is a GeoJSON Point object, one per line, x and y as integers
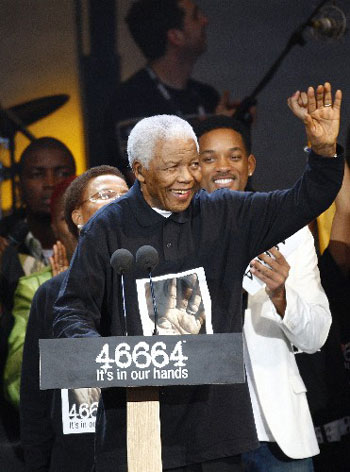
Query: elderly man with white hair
{"type": "Point", "coordinates": [203, 428]}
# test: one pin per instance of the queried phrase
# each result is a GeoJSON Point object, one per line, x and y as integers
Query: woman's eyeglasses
{"type": "Point", "coordinates": [103, 196]}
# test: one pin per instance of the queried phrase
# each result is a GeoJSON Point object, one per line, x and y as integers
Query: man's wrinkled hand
{"type": "Point", "coordinates": [320, 115]}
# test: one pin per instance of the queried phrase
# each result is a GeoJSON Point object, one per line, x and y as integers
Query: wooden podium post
{"type": "Point", "coordinates": [142, 364]}
{"type": "Point", "coordinates": [144, 450]}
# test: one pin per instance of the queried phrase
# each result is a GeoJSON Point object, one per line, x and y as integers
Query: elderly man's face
{"type": "Point", "coordinates": [224, 160]}
{"type": "Point", "coordinates": [173, 175]}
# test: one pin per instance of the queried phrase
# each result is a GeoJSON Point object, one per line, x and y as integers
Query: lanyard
{"type": "Point", "coordinates": [166, 95]}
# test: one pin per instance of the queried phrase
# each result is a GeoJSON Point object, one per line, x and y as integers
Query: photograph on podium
{"type": "Point", "coordinates": [183, 303]}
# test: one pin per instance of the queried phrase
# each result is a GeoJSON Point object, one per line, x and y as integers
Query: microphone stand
{"type": "Point", "coordinates": [124, 303]}
{"type": "Point", "coordinates": [155, 332]}
{"type": "Point", "coordinates": [242, 112]}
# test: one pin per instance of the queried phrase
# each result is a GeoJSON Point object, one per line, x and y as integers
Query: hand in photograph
{"type": "Point", "coordinates": [179, 303]}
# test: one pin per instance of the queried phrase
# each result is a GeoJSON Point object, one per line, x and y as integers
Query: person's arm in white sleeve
{"type": "Point", "coordinates": [297, 301]}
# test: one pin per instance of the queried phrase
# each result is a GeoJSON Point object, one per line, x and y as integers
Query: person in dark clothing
{"type": "Point", "coordinates": [49, 418]}
{"type": "Point", "coordinates": [26, 238]}
{"type": "Point", "coordinates": [43, 164]}
{"type": "Point", "coordinates": [26, 288]}
{"type": "Point", "coordinates": [217, 233]}
{"type": "Point", "coordinates": [332, 415]}
{"type": "Point", "coordinates": [172, 36]}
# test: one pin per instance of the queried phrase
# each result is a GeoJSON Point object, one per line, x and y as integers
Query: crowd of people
{"type": "Point", "coordinates": [178, 176]}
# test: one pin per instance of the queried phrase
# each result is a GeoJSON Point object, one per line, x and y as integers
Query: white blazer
{"type": "Point", "coordinates": [269, 338]}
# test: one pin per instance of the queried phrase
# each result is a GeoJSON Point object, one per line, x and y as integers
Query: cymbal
{"type": "Point", "coordinates": [30, 112]}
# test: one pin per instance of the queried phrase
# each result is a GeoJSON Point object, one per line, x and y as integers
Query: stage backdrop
{"type": "Point", "coordinates": [39, 57]}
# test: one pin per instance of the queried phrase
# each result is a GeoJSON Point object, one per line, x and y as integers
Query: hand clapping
{"type": "Point", "coordinates": [59, 262]}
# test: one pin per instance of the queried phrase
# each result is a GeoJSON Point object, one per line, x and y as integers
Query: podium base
{"type": "Point", "coordinates": [144, 449]}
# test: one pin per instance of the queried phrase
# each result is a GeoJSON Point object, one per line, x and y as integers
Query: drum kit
{"type": "Point", "coordinates": [16, 119]}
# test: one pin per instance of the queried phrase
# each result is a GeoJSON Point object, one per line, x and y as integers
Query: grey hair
{"type": "Point", "coordinates": [148, 132]}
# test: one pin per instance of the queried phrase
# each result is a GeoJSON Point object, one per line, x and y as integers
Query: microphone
{"type": "Point", "coordinates": [17, 236]}
{"type": "Point", "coordinates": [329, 24]}
{"type": "Point", "coordinates": [122, 261]}
{"type": "Point", "coordinates": [147, 259]}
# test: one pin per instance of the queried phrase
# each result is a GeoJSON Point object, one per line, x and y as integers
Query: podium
{"type": "Point", "coordinates": [142, 364]}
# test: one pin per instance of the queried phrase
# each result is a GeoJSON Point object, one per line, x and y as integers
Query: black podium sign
{"type": "Point", "coordinates": [135, 361]}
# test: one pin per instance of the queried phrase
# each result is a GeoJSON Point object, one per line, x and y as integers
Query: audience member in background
{"type": "Point", "coordinates": [172, 36]}
{"type": "Point", "coordinates": [291, 310]}
{"type": "Point", "coordinates": [26, 237]}
{"type": "Point", "coordinates": [333, 368]}
{"type": "Point", "coordinates": [28, 285]}
{"type": "Point", "coordinates": [47, 416]}
{"type": "Point", "coordinates": [43, 164]}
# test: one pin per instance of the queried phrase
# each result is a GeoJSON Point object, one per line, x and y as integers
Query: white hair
{"type": "Point", "coordinates": [148, 132]}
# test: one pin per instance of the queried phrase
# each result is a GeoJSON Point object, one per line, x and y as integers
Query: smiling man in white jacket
{"type": "Point", "coordinates": [289, 312]}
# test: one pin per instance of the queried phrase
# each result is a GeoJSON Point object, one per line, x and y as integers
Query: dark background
{"type": "Point", "coordinates": [245, 38]}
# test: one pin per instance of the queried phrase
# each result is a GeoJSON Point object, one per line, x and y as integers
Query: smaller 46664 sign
{"type": "Point", "coordinates": [133, 361]}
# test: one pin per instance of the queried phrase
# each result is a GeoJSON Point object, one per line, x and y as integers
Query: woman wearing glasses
{"type": "Point", "coordinates": [49, 418]}
{"type": "Point", "coordinates": [90, 192]}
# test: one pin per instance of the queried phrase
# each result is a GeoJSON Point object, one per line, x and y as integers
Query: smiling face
{"type": "Point", "coordinates": [224, 160]}
{"type": "Point", "coordinates": [173, 175]}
